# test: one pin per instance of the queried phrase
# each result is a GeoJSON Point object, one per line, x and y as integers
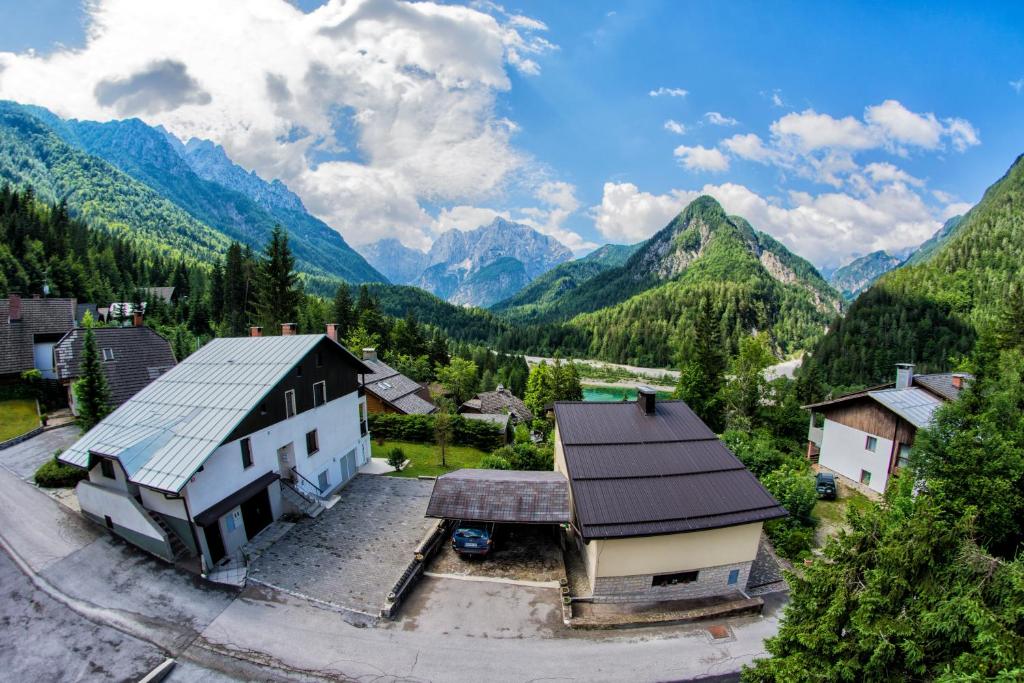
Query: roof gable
{"type": "Point", "coordinates": [38, 317]}
{"type": "Point", "coordinates": [391, 386]}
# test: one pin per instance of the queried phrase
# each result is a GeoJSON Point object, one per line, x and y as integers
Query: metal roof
{"type": "Point", "coordinates": [941, 384]}
{"type": "Point", "coordinates": [393, 387]}
{"type": "Point", "coordinates": [634, 474]}
{"type": "Point", "coordinates": [164, 433]}
{"type": "Point", "coordinates": [914, 405]}
{"type": "Point", "coordinates": [501, 496]}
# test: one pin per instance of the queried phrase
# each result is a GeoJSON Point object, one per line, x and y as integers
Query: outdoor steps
{"type": "Point", "coordinates": [300, 501]}
{"type": "Point", "coordinates": [177, 547]}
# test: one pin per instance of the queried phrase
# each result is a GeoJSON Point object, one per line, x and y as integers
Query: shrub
{"type": "Point", "coordinates": [522, 456]}
{"type": "Point", "coordinates": [494, 462]}
{"type": "Point", "coordinates": [396, 458]}
{"type": "Point", "coordinates": [56, 475]}
{"type": "Point", "coordinates": [420, 429]}
{"type": "Point", "coordinates": [792, 541]}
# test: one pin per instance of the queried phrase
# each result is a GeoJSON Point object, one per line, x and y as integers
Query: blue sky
{"type": "Point", "coordinates": [873, 121]}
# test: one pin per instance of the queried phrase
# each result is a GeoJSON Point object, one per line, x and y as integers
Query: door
{"type": "Point", "coordinates": [256, 514]}
{"type": "Point", "coordinates": [286, 461]}
{"type": "Point", "coordinates": [214, 542]}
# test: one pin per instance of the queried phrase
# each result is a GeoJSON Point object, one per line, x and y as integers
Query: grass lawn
{"type": "Point", "coordinates": [17, 416]}
{"type": "Point", "coordinates": [832, 513]}
{"type": "Point", "coordinates": [425, 459]}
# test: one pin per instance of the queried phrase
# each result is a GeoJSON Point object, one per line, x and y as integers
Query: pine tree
{"type": "Point", "coordinates": [236, 289]}
{"type": "Point", "coordinates": [92, 395]}
{"type": "Point", "coordinates": [278, 292]}
{"type": "Point", "coordinates": [702, 372]}
{"type": "Point", "coordinates": [343, 311]}
{"type": "Point", "coordinates": [217, 292]}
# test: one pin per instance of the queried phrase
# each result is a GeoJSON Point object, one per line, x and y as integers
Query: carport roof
{"type": "Point", "coordinates": [501, 496]}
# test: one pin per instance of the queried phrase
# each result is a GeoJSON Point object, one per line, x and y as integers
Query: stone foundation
{"type": "Point", "coordinates": [710, 581]}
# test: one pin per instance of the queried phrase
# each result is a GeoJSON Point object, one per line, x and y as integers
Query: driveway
{"type": "Point", "coordinates": [352, 555]}
{"type": "Point", "coordinates": [26, 457]}
{"type": "Point", "coordinates": [524, 553]}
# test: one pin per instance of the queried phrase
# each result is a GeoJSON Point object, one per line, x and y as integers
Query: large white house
{"type": "Point", "coordinates": [211, 452]}
{"type": "Point", "coordinates": [866, 436]}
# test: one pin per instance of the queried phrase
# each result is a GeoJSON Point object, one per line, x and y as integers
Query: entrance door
{"type": "Point", "coordinates": [256, 513]}
{"type": "Point", "coordinates": [214, 541]}
{"type": "Point", "coordinates": [286, 461]}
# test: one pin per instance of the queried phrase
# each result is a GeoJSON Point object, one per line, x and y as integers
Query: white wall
{"type": "Point", "coordinates": [155, 500]}
{"type": "Point", "coordinates": [120, 507]}
{"type": "Point", "coordinates": [118, 483]}
{"type": "Point", "coordinates": [842, 451]}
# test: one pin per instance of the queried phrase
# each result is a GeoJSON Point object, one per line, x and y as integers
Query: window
{"type": "Point", "coordinates": [734, 577]}
{"type": "Point", "coordinates": [870, 443]}
{"type": "Point", "coordinates": [108, 521]}
{"type": "Point", "coordinates": [312, 442]}
{"type": "Point", "coordinates": [319, 394]}
{"type": "Point", "coordinates": [108, 354]}
{"type": "Point", "coordinates": [865, 477]}
{"type": "Point", "coordinates": [289, 404]}
{"type": "Point", "coordinates": [673, 579]}
{"type": "Point", "coordinates": [246, 454]}
{"type": "Point", "coordinates": [903, 456]}
{"type": "Point", "coordinates": [363, 429]}
{"type": "Point", "coordinates": [298, 370]}
{"type": "Point", "coordinates": [107, 468]}
{"type": "Point", "coordinates": [384, 385]}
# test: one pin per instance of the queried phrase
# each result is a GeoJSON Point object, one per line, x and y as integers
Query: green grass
{"type": "Point", "coordinates": [17, 416]}
{"type": "Point", "coordinates": [832, 513]}
{"type": "Point", "coordinates": [425, 459]}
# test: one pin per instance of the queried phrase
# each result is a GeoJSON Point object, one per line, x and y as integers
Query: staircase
{"type": "Point", "coordinates": [178, 549]}
{"type": "Point", "coordinates": [303, 502]}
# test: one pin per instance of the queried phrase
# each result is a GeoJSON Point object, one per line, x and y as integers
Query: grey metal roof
{"type": "Point", "coordinates": [501, 496]}
{"type": "Point", "coordinates": [634, 474]}
{"type": "Point", "coordinates": [941, 383]}
{"type": "Point", "coordinates": [914, 405]}
{"type": "Point", "coordinates": [164, 433]}
{"type": "Point", "coordinates": [393, 387]}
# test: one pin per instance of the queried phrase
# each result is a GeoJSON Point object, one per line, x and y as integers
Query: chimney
{"type": "Point", "coordinates": [501, 388]}
{"type": "Point", "coordinates": [14, 307]}
{"type": "Point", "coordinates": [958, 380]}
{"type": "Point", "coordinates": [904, 375]}
{"type": "Point", "coordinates": [136, 318]}
{"type": "Point", "coordinates": [332, 331]}
{"type": "Point", "coordinates": [288, 329]}
{"type": "Point", "coordinates": [255, 331]}
{"type": "Point", "coordinates": [645, 400]}
{"type": "Point", "coordinates": [369, 354]}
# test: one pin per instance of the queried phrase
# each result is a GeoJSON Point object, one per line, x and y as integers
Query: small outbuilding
{"type": "Point", "coordinates": [501, 496]}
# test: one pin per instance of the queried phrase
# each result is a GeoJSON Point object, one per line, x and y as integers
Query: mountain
{"type": "Point", "coordinates": [473, 268]}
{"type": "Point", "coordinates": [149, 156]}
{"type": "Point", "coordinates": [931, 311]}
{"type": "Point", "coordinates": [398, 262]}
{"type": "Point", "coordinates": [931, 245]}
{"type": "Point", "coordinates": [612, 255]}
{"type": "Point", "coordinates": [859, 274]}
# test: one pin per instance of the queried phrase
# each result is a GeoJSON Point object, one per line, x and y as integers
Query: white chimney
{"type": "Point", "coordinates": [904, 375]}
{"type": "Point", "coordinates": [369, 354]}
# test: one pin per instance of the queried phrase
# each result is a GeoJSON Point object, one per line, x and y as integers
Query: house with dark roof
{"type": "Point", "coordinates": [865, 436]}
{"type": "Point", "coordinates": [661, 509]}
{"type": "Point", "coordinates": [389, 391]}
{"type": "Point", "coordinates": [498, 402]}
{"type": "Point", "coordinates": [29, 328]}
{"type": "Point", "coordinates": [214, 450]}
{"type": "Point", "coordinates": [131, 358]}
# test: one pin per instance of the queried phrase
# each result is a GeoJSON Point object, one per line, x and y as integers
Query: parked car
{"type": "Point", "coordinates": [473, 538]}
{"type": "Point", "coordinates": [826, 485]}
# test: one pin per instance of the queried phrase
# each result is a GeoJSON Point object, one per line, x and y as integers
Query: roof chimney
{"type": "Point", "coordinates": [288, 329]}
{"type": "Point", "coordinates": [332, 331]}
{"type": "Point", "coordinates": [136, 318]}
{"type": "Point", "coordinates": [904, 375]}
{"type": "Point", "coordinates": [645, 400]}
{"type": "Point", "coordinates": [369, 354]}
{"type": "Point", "coordinates": [501, 388]}
{"type": "Point", "coordinates": [14, 308]}
{"type": "Point", "coordinates": [255, 331]}
{"type": "Point", "coordinates": [958, 380]}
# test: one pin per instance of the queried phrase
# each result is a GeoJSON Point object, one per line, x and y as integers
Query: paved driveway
{"type": "Point", "coordinates": [351, 555]}
{"type": "Point", "coordinates": [26, 457]}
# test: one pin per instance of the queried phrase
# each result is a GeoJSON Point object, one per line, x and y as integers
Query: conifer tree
{"type": "Point", "coordinates": [278, 291]}
{"type": "Point", "coordinates": [343, 311]}
{"type": "Point", "coordinates": [92, 395]}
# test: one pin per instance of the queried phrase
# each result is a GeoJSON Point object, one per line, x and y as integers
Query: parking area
{"type": "Point", "coordinates": [25, 458]}
{"type": "Point", "coordinates": [351, 555]}
{"type": "Point", "coordinates": [523, 552]}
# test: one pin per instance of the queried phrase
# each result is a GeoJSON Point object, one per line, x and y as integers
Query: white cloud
{"type": "Point", "coordinates": [809, 131]}
{"type": "Point", "coordinates": [717, 119]}
{"type": "Point", "coordinates": [466, 218]}
{"type": "Point", "coordinates": [674, 126]}
{"type": "Point", "coordinates": [748, 146]}
{"type": "Point", "coordinates": [700, 158]}
{"type": "Point", "coordinates": [628, 215]}
{"type": "Point", "coordinates": [884, 172]}
{"type": "Point", "coordinates": [1017, 85]}
{"type": "Point", "coordinates": [962, 134]}
{"type": "Point", "coordinates": [899, 124]}
{"type": "Point", "coordinates": [668, 92]}
{"type": "Point", "coordinates": [365, 108]}
{"type": "Point", "coordinates": [777, 98]}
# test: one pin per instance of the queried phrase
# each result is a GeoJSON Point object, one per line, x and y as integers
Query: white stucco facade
{"type": "Point", "coordinates": [843, 451]}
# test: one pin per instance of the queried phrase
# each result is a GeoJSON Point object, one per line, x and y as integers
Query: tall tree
{"type": "Point", "coordinates": [702, 370]}
{"type": "Point", "coordinates": [92, 395]}
{"type": "Point", "coordinates": [444, 427]}
{"type": "Point", "coordinates": [743, 393]}
{"type": "Point", "coordinates": [540, 388]}
{"type": "Point", "coordinates": [216, 305]}
{"type": "Point", "coordinates": [343, 312]}
{"type": "Point", "coordinates": [459, 379]}
{"type": "Point", "coordinates": [236, 291]}
{"type": "Point", "coordinates": [278, 292]}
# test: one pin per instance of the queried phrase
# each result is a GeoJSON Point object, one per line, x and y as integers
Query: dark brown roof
{"type": "Point", "coordinates": [38, 317]}
{"type": "Point", "coordinates": [641, 475]}
{"type": "Point", "coordinates": [498, 402]}
{"type": "Point", "coordinates": [140, 355]}
{"type": "Point", "coordinates": [501, 496]}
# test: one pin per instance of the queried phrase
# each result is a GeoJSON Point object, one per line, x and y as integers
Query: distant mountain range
{"type": "Point", "coordinates": [189, 199]}
{"type": "Point", "coordinates": [472, 267]}
{"type": "Point", "coordinates": [859, 274]}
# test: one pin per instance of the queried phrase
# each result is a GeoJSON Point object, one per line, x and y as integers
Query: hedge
{"type": "Point", "coordinates": [420, 429]}
{"type": "Point", "coordinates": [56, 475]}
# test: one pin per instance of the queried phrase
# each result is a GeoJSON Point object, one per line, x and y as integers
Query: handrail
{"type": "Point", "coordinates": [296, 473]}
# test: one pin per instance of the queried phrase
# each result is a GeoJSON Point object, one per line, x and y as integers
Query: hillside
{"type": "Point", "coordinates": [859, 274]}
{"type": "Point", "coordinates": [932, 244]}
{"type": "Point", "coordinates": [928, 312]}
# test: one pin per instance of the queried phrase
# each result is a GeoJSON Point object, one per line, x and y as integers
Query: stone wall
{"type": "Point", "coordinates": [710, 581]}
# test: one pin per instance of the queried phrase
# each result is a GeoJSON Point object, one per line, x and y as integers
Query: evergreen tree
{"type": "Point", "coordinates": [343, 312]}
{"type": "Point", "coordinates": [216, 305]}
{"type": "Point", "coordinates": [278, 292]}
{"type": "Point", "coordinates": [92, 396]}
{"type": "Point", "coordinates": [540, 389]}
{"type": "Point", "coordinates": [236, 291]}
{"type": "Point", "coordinates": [702, 372]}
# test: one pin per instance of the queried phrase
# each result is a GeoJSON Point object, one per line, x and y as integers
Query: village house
{"type": "Point", "coordinates": [501, 401]}
{"type": "Point", "coordinates": [130, 357]}
{"type": "Point", "coordinates": [215, 449]}
{"type": "Point", "coordinates": [389, 391]}
{"type": "Point", "coordinates": [865, 436]}
{"type": "Point", "coordinates": [29, 328]}
{"type": "Point", "coordinates": [661, 509]}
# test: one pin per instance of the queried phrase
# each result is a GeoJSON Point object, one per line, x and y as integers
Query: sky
{"type": "Point", "coordinates": [838, 128]}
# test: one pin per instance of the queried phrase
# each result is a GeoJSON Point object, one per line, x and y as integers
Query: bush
{"type": "Point", "coordinates": [495, 462]}
{"type": "Point", "coordinates": [420, 429]}
{"type": "Point", "coordinates": [792, 541]}
{"type": "Point", "coordinates": [521, 456]}
{"type": "Point", "coordinates": [396, 458]}
{"type": "Point", "coordinates": [56, 475]}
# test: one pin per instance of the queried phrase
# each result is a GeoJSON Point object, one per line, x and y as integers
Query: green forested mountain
{"type": "Point", "coordinates": [931, 245]}
{"type": "Point", "coordinates": [859, 274]}
{"type": "Point", "coordinates": [612, 255]}
{"type": "Point", "coordinates": [929, 312]}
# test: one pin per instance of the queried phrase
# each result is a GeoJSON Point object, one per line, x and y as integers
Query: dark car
{"type": "Point", "coordinates": [473, 538]}
{"type": "Point", "coordinates": [825, 482]}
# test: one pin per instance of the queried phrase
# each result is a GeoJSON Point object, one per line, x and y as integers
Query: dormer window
{"type": "Point", "coordinates": [108, 354]}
